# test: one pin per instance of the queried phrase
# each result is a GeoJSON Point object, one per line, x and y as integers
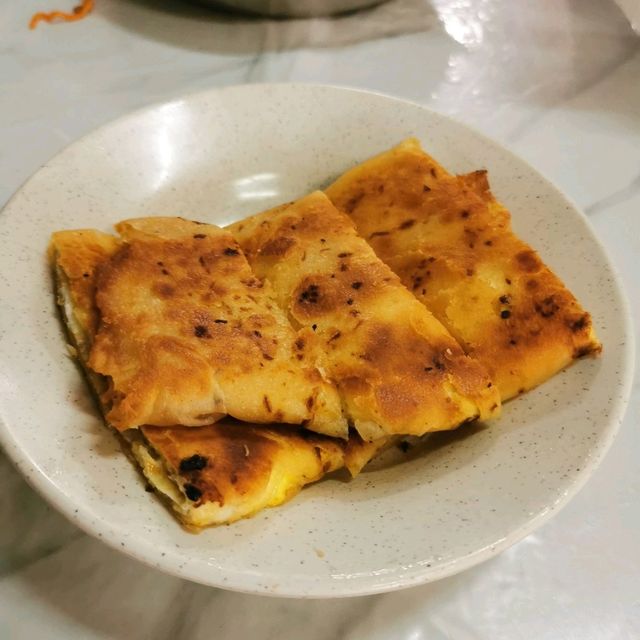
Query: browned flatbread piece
{"type": "Point", "coordinates": [229, 470]}
{"type": "Point", "coordinates": [76, 255]}
{"type": "Point", "coordinates": [188, 334]}
{"type": "Point", "coordinates": [212, 474]}
{"type": "Point", "coordinates": [397, 368]}
{"type": "Point", "coordinates": [452, 245]}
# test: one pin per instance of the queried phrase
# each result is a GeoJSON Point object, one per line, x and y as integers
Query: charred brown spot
{"type": "Point", "coordinates": [257, 334]}
{"type": "Point", "coordinates": [335, 336]}
{"type": "Point", "coordinates": [195, 462]}
{"type": "Point", "coordinates": [426, 188]}
{"type": "Point", "coordinates": [314, 326]}
{"type": "Point", "coordinates": [220, 321]}
{"type": "Point", "coordinates": [464, 214]}
{"type": "Point", "coordinates": [192, 492]}
{"type": "Point", "coordinates": [469, 272]}
{"type": "Point", "coordinates": [343, 267]}
{"type": "Point", "coordinates": [375, 234]}
{"type": "Point", "coordinates": [310, 295]}
{"type": "Point", "coordinates": [586, 350]}
{"type": "Point", "coordinates": [85, 275]}
{"type": "Point", "coordinates": [528, 261]}
{"type": "Point", "coordinates": [507, 280]}
{"type": "Point", "coordinates": [299, 343]}
{"type": "Point", "coordinates": [199, 236]}
{"type": "Point", "coordinates": [513, 342]}
{"type": "Point", "coordinates": [433, 172]}
{"type": "Point", "coordinates": [309, 402]}
{"type": "Point", "coordinates": [200, 331]}
{"type": "Point", "coordinates": [160, 263]}
{"type": "Point", "coordinates": [532, 285]}
{"type": "Point", "coordinates": [356, 285]}
{"type": "Point", "coordinates": [266, 403]}
{"type": "Point", "coordinates": [416, 282]}
{"type": "Point", "coordinates": [407, 224]}
{"type": "Point", "coordinates": [380, 188]}
{"type": "Point", "coordinates": [352, 203]}
{"type": "Point", "coordinates": [579, 324]}
{"type": "Point", "coordinates": [488, 243]}
{"type": "Point", "coordinates": [277, 246]}
{"type": "Point", "coordinates": [254, 283]}
{"type": "Point", "coordinates": [547, 307]}
{"type": "Point", "coordinates": [349, 301]}
{"type": "Point", "coordinates": [266, 356]}
{"type": "Point", "coordinates": [438, 364]}
{"type": "Point", "coordinates": [344, 254]}
{"type": "Point", "coordinates": [230, 251]}
{"type": "Point", "coordinates": [165, 272]}
{"type": "Point", "coordinates": [164, 290]}
{"type": "Point", "coordinates": [581, 352]}
{"type": "Point", "coordinates": [505, 313]}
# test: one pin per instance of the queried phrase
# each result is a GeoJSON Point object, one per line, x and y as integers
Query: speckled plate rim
{"type": "Point", "coordinates": [240, 581]}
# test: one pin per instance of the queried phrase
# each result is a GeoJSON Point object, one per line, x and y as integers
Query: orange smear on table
{"type": "Point", "coordinates": [79, 12]}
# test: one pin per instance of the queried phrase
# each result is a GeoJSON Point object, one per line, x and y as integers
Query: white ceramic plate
{"type": "Point", "coordinates": [218, 156]}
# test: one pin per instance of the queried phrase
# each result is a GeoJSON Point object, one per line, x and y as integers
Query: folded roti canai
{"type": "Point", "coordinates": [187, 334]}
{"type": "Point", "coordinates": [211, 474]}
{"type": "Point", "coordinates": [398, 370]}
{"type": "Point", "coordinates": [452, 245]}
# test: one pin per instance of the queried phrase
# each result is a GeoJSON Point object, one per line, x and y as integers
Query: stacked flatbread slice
{"type": "Point", "coordinates": [241, 364]}
{"type": "Point", "coordinates": [451, 244]}
{"type": "Point", "coordinates": [397, 369]}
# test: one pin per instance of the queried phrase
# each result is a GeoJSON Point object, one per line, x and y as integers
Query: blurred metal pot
{"type": "Point", "coordinates": [293, 8]}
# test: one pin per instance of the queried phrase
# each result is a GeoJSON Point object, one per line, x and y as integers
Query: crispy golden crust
{"type": "Point", "coordinates": [78, 254]}
{"type": "Point", "coordinates": [397, 368]}
{"type": "Point", "coordinates": [451, 243]}
{"type": "Point", "coordinates": [188, 334]}
{"type": "Point", "coordinates": [240, 468]}
{"type": "Point", "coordinates": [248, 467]}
